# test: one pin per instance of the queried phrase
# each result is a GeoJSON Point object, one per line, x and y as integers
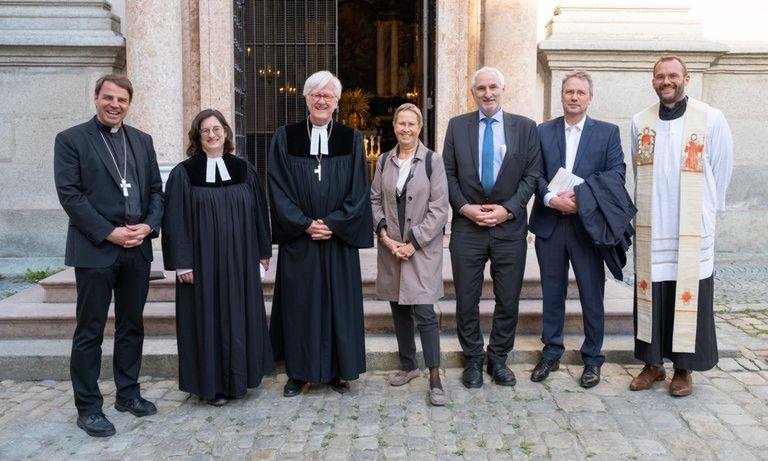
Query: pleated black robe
{"type": "Point", "coordinates": [220, 231]}
{"type": "Point", "coordinates": [317, 309]}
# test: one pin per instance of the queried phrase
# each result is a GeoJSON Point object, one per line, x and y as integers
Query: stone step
{"type": "Point", "coordinates": [39, 359]}
{"type": "Point", "coordinates": [27, 315]}
{"type": "Point", "coordinates": [60, 287]}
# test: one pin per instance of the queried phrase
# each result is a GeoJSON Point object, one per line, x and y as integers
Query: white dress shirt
{"type": "Point", "coordinates": [499, 143]}
{"type": "Point", "coordinates": [572, 138]}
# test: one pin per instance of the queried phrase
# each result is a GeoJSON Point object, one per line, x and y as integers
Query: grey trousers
{"type": "Point", "coordinates": [426, 321]}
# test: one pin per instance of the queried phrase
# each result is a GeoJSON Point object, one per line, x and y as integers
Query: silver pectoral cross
{"type": "Point", "coordinates": [124, 186]}
{"type": "Point", "coordinates": [318, 172]}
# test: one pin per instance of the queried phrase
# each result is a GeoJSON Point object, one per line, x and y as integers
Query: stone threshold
{"type": "Point", "coordinates": [40, 359]}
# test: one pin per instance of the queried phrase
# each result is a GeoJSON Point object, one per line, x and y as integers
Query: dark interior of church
{"type": "Point", "coordinates": [381, 50]}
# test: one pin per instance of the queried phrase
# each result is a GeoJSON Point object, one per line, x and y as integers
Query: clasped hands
{"type": "Point", "coordinates": [318, 230]}
{"type": "Point", "coordinates": [399, 249]}
{"type": "Point", "coordinates": [130, 235]}
{"type": "Point", "coordinates": [564, 201]}
{"type": "Point", "coordinates": [487, 215]}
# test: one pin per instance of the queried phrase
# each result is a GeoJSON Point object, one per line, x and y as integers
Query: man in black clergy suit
{"type": "Point", "coordinates": [109, 185]}
{"type": "Point", "coordinates": [492, 160]}
{"type": "Point", "coordinates": [582, 146]}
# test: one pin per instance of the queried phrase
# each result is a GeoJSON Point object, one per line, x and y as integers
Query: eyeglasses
{"type": "Point", "coordinates": [217, 130]}
{"type": "Point", "coordinates": [318, 96]}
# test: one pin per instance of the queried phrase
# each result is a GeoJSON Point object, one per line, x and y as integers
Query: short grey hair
{"type": "Point", "coordinates": [487, 70]}
{"type": "Point", "coordinates": [580, 74]}
{"type": "Point", "coordinates": [320, 80]}
{"type": "Point", "coordinates": [411, 108]}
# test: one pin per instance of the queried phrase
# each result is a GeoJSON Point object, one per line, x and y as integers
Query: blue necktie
{"type": "Point", "coordinates": [487, 179]}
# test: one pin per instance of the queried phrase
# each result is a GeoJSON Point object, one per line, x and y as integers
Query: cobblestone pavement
{"type": "Point", "coordinates": [725, 418]}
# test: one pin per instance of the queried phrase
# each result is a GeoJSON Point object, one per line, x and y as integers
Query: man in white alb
{"type": "Point", "coordinates": [682, 155]}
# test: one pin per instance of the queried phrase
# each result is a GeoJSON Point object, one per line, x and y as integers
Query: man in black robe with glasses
{"type": "Point", "coordinates": [321, 216]}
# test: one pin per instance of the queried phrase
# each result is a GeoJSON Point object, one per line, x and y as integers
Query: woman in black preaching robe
{"type": "Point", "coordinates": [321, 216]}
{"type": "Point", "coordinates": [215, 235]}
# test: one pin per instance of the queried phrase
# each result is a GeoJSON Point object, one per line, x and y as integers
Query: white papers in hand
{"type": "Point", "coordinates": [563, 181]}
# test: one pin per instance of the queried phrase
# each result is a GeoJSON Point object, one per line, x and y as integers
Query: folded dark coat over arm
{"type": "Point", "coordinates": [606, 211]}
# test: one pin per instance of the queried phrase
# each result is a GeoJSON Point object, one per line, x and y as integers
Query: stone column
{"type": "Point", "coordinates": [154, 64]}
{"type": "Point", "coordinates": [217, 57]}
{"type": "Point", "coordinates": [510, 45]}
{"type": "Point", "coordinates": [394, 65]}
{"type": "Point", "coordinates": [454, 54]}
{"type": "Point", "coordinates": [381, 51]}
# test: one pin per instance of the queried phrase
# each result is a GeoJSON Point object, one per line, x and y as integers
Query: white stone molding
{"type": "Point", "coordinates": [55, 33]}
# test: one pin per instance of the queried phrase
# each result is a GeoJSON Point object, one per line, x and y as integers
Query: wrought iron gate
{"type": "Point", "coordinates": [285, 42]}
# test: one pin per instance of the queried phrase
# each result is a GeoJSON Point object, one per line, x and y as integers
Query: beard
{"type": "Point", "coordinates": [678, 94]}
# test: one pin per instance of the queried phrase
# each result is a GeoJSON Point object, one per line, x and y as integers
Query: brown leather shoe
{"type": "Point", "coordinates": [646, 378]}
{"type": "Point", "coordinates": [682, 383]}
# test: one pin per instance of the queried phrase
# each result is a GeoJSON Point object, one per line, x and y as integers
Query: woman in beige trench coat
{"type": "Point", "coordinates": [409, 195]}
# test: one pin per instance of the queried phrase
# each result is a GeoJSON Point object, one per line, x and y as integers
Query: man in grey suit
{"type": "Point", "coordinates": [492, 160]}
{"type": "Point", "coordinates": [109, 185]}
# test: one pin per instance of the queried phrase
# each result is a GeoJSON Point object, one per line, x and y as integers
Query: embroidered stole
{"type": "Point", "coordinates": [689, 246]}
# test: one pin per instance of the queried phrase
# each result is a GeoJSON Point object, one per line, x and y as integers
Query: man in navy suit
{"type": "Point", "coordinates": [582, 146]}
{"type": "Point", "coordinates": [109, 185]}
{"type": "Point", "coordinates": [492, 161]}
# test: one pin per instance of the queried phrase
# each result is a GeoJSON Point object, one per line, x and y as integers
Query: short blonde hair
{"type": "Point", "coordinates": [410, 107]}
{"type": "Point", "coordinates": [671, 57]}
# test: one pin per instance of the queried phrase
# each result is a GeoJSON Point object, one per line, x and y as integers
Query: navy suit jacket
{"type": "Point", "coordinates": [599, 151]}
{"type": "Point", "coordinates": [87, 184]}
{"type": "Point", "coordinates": [515, 182]}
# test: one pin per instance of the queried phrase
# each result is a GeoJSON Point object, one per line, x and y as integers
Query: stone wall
{"type": "Point", "coordinates": [618, 44]}
{"type": "Point", "coordinates": [51, 54]}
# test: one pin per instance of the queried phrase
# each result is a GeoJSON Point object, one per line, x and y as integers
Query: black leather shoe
{"type": "Point", "coordinates": [590, 377]}
{"type": "Point", "coordinates": [138, 406]}
{"type": "Point", "coordinates": [96, 425]}
{"type": "Point", "coordinates": [501, 374]}
{"type": "Point", "coordinates": [342, 387]}
{"type": "Point", "coordinates": [293, 387]}
{"type": "Point", "coordinates": [472, 378]}
{"type": "Point", "coordinates": [541, 372]}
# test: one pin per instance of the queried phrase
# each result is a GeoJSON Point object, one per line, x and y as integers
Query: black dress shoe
{"type": "Point", "coordinates": [543, 368]}
{"type": "Point", "coordinates": [342, 387]}
{"type": "Point", "coordinates": [293, 387]}
{"type": "Point", "coordinates": [472, 377]}
{"type": "Point", "coordinates": [138, 406]}
{"type": "Point", "coordinates": [96, 425]}
{"type": "Point", "coordinates": [501, 374]}
{"type": "Point", "coordinates": [590, 377]}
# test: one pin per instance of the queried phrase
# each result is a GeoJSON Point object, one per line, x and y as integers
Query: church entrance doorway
{"type": "Point", "coordinates": [382, 50]}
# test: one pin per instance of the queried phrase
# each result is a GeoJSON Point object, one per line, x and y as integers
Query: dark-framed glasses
{"type": "Point", "coordinates": [217, 130]}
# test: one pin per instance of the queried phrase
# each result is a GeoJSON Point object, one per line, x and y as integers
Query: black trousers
{"type": "Point", "coordinates": [426, 321]}
{"type": "Point", "coordinates": [663, 315]}
{"type": "Point", "coordinates": [564, 245]}
{"type": "Point", "coordinates": [128, 277]}
{"type": "Point", "coordinates": [469, 253]}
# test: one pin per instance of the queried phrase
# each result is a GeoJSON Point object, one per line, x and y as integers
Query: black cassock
{"type": "Point", "coordinates": [317, 310]}
{"type": "Point", "coordinates": [220, 231]}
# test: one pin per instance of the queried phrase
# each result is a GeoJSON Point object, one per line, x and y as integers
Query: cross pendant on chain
{"type": "Point", "coordinates": [124, 186]}
{"type": "Point", "coordinates": [318, 172]}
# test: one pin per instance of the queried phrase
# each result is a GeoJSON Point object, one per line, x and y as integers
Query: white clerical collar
{"type": "Point", "coordinates": [210, 169]}
{"type": "Point", "coordinates": [318, 140]}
